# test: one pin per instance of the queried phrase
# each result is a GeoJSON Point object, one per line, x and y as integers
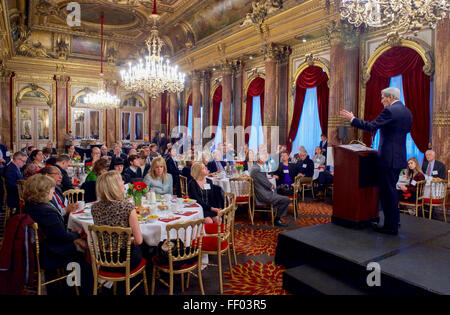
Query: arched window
{"type": "Point", "coordinates": [254, 113]}
{"type": "Point", "coordinates": [310, 117]}
{"type": "Point", "coordinates": [86, 122]}
{"type": "Point", "coordinates": [132, 115]}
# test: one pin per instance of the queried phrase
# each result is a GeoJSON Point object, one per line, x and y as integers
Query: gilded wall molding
{"type": "Point", "coordinates": [136, 95]}
{"type": "Point", "coordinates": [441, 118]}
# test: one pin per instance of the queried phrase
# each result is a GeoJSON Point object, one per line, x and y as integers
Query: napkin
{"type": "Point", "coordinates": [81, 211]}
{"type": "Point", "coordinates": [168, 220]}
{"type": "Point", "coordinates": [192, 206]}
{"type": "Point", "coordinates": [187, 213]}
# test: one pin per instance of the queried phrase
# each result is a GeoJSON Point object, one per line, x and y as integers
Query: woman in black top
{"type": "Point", "coordinates": [209, 196]}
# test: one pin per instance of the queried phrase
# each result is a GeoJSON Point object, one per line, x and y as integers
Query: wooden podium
{"type": "Point", "coordinates": [355, 185]}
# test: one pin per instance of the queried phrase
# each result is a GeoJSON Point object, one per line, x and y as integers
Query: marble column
{"type": "Point", "coordinates": [283, 88]}
{"type": "Point", "coordinates": [155, 116]}
{"type": "Point", "coordinates": [173, 112]}
{"type": "Point", "coordinates": [206, 88]}
{"type": "Point", "coordinates": [237, 94]}
{"type": "Point", "coordinates": [61, 109]}
{"type": "Point", "coordinates": [271, 56]}
{"type": "Point", "coordinates": [5, 111]}
{"type": "Point", "coordinates": [441, 95]}
{"type": "Point", "coordinates": [111, 123]}
{"type": "Point", "coordinates": [226, 99]}
{"type": "Point", "coordinates": [196, 102]}
{"type": "Point", "coordinates": [343, 83]}
{"type": "Point", "coordinates": [183, 108]}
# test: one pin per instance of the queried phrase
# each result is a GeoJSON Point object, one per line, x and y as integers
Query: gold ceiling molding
{"type": "Point", "coordinates": [260, 10]}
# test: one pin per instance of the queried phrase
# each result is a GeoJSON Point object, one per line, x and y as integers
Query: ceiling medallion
{"type": "Point", "coordinates": [403, 15]}
{"type": "Point", "coordinates": [155, 75]}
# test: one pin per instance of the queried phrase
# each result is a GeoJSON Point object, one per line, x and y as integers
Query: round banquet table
{"type": "Point", "coordinates": [152, 232]}
{"type": "Point", "coordinates": [224, 182]}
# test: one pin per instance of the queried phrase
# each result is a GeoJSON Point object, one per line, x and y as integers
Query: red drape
{"type": "Point", "coordinates": [256, 88]}
{"type": "Point", "coordinates": [163, 108]}
{"type": "Point", "coordinates": [217, 98]}
{"type": "Point", "coordinates": [188, 107]}
{"type": "Point", "coordinates": [416, 90]}
{"type": "Point", "coordinates": [312, 76]}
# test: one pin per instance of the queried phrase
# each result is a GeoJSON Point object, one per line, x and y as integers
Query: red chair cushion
{"type": "Point", "coordinates": [110, 274]}
{"type": "Point", "coordinates": [212, 228]}
{"type": "Point", "coordinates": [242, 199]}
{"type": "Point", "coordinates": [160, 263]}
{"type": "Point", "coordinates": [209, 243]}
{"type": "Point", "coordinates": [434, 201]}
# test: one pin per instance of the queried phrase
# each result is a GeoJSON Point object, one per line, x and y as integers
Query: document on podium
{"type": "Point", "coordinates": [357, 147]}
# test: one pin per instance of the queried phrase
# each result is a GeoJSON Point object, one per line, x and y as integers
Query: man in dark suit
{"type": "Point", "coordinates": [394, 123]}
{"type": "Point", "coordinates": [432, 167]}
{"type": "Point", "coordinates": [62, 163]}
{"type": "Point", "coordinates": [12, 175]}
{"type": "Point", "coordinates": [217, 164]}
{"type": "Point", "coordinates": [323, 145]}
{"type": "Point", "coordinates": [134, 172]}
{"type": "Point", "coordinates": [305, 167]}
{"type": "Point", "coordinates": [172, 169]}
{"type": "Point", "coordinates": [117, 154]}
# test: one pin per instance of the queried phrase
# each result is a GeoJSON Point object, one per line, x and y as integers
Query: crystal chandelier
{"type": "Point", "coordinates": [403, 15]}
{"type": "Point", "coordinates": [102, 99]}
{"type": "Point", "coordinates": [155, 75]}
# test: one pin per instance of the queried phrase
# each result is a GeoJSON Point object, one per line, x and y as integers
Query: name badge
{"type": "Point", "coordinates": [435, 172]}
{"type": "Point", "coordinates": [304, 165]}
{"type": "Point", "coordinates": [413, 182]}
{"type": "Point", "coordinates": [207, 186]}
{"type": "Point", "coordinates": [8, 154]}
{"type": "Point", "coordinates": [286, 171]}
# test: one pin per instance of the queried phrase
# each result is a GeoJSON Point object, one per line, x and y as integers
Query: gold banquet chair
{"type": "Point", "coordinates": [262, 207]}
{"type": "Point", "coordinates": [241, 187]}
{"type": "Point", "coordinates": [438, 194]}
{"type": "Point", "coordinates": [74, 195]}
{"type": "Point", "coordinates": [418, 203]}
{"type": "Point", "coordinates": [20, 186]}
{"type": "Point", "coordinates": [303, 183]}
{"type": "Point", "coordinates": [40, 271]}
{"type": "Point", "coordinates": [183, 186]}
{"type": "Point", "coordinates": [182, 258]}
{"type": "Point", "coordinates": [106, 254]}
{"type": "Point", "coordinates": [7, 209]}
{"type": "Point", "coordinates": [219, 243]}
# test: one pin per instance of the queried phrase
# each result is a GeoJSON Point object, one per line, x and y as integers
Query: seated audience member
{"type": "Point", "coordinates": [58, 200]}
{"type": "Point", "coordinates": [414, 174]}
{"type": "Point", "coordinates": [36, 164]}
{"type": "Point", "coordinates": [264, 190]}
{"type": "Point", "coordinates": [62, 162]}
{"type": "Point", "coordinates": [172, 169]}
{"type": "Point", "coordinates": [286, 172]}
{"type": "Point", "coordinates": [113, 210]}
{"type": "Point", "coordinates": [250, 160]}
{"type": "Point", "coordinates": [162, 142]}
{"type": "Point", "coordinates": [208, 195]}
{"type": "Point", "coordinates": [25, 148]}
{"type": "Point", "coordinates": [305, 167]}
{"type": "Point", "coordinates": [103, 151]}
{"type": "Point", "coordinates": [168, 147]}
{"type": "Point", "coordinates": [72, 153]}
{"type": "Point", "coordinates": [300, 150]}
{"type": "Point", "coordinates": [148, 159]}
{"type": "Point", "coordinates": [117, 154]}
{"type": "Point", "coordinates": [154, 151]}
{"type": "Point", "coordinates": [323, 145]}
{"type": "Point", "coordinates": [100, 167]}
{"type": "Point", "coordinates": [12, 175]}
{"type": "Point", "coordinates": [95, 156]}
{"type": "Point", "coordinates": [47, 153]}
{"type": "Point", "coordinates": [30, 149]}
{"type": "Point", "coordinates": [433, 167]}
{"type": "Point", "coordinates": [144, 167]}
{"type": "Point", "coordinates": [217, 164]}
{"type": "Point", "coordinates": [318, 158]}
{"type": "Point", "coordinates": [59, 247]}
{"type": "Point", "coordinates": [158, 179]}
{"type": "Point", "coordinates": [118, 166]}
{"type": "Point", "coordinates": [325, 178]}
{"type": "Point", "coordinates": [186, 171]}
{"type": "Point", "coordinates": [133, 172]}
{"type": "Point", "coordinates": [50, 146]}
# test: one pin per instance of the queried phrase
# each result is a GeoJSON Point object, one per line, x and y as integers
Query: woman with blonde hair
{"type": "Point", "coordinates": [415, 174]}
{"type": "Point", "coordinates": [158, 179]}
{"type": "Point", "coordinates": [113, 210]}
{"type": "Point", "coordinates": [59, 247]}
{"type": "Point", "coordinates": [209, 196]}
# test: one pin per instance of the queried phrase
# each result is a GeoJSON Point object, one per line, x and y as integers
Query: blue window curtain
{"type": "Point", "coordinates": [218, 137]}
{"type": "Point", "coordinates": [256, 134]}
{"type": "Point", "coordinates": [411, 149]}
{"type": "Point", "coordinates": [309, 130]}
{"type": "Point", "coordinates": [190, 121]}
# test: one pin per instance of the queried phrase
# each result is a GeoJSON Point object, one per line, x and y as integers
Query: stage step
{"type": "Point", "coordinates": [307, 280]}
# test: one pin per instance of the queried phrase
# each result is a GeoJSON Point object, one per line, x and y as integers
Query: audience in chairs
{"type": "Point", "coordinates": [172, 169]}
{"type": "Point", "coordinates": [414, 174]}
{"type": "Point", "coordinates": [133, 172]}
{"type": "Point", "coordinates": [100, 167]}
{"type": "Point", "coordinates": [113, 210]}
{"type": "Point", "coordinates": [95, 155]}
{"type": "Point", "coordinates": [208, 195]}
{"type": "Point", "coordinates": [158, 179]}
{"type": "Point", "coordinates": [286, 172]}
{"type": "Point", "coordinates": [119, 166]}
{"type": "Point", "coordinates": [62, 162]}
{"type": "Point", "coordinates": [217, 164]}
{"type": "Point", "coordinates": [305, 167]}
{"type": "Point", "coordinates": [264, 190]}
{"type": "Point", "coordinates": [12, 175]}
{"type": "Point", "coordinates": [433, 167]}
{"type": "Point", "coordinates": [318, 158]}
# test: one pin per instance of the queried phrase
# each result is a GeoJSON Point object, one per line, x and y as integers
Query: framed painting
{"type": "Point", "coordinates": [85, 47]}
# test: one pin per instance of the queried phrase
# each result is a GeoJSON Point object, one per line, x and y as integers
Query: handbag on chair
{"type": "Point", "coordinates": [285, 190]}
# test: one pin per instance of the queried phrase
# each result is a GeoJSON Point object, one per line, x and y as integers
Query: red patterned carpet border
{"type": "Point", "coordinates": [253, 242]}
{"type": "Point", "coordinates": [254, 278]}
{"type": "Point", "coordinates": [314, 208]}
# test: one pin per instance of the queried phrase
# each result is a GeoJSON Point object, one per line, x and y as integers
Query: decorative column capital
{"type": "Point", "coordinates": [195, 75]}
{"type": "Point", "coordinates": [340, 32]}
{"type": "Point", "coordinates": [227, 68]}
{"type": "Point", "coordinates": [271, 52]}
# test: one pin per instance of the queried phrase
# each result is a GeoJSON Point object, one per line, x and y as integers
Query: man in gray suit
{"type": "Point", "coordinates": [264, 190]}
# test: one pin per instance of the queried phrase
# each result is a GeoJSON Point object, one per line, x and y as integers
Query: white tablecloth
{"type": "Point", "coordinates": [426, 191]}
{"type": "Point", "coordinates": [152, 233]}
{"type": "Point", "coordinates": [224, 182]}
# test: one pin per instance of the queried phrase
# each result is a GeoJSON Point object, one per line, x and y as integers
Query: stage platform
{"type": "Point", "coordinates": [331, 259]}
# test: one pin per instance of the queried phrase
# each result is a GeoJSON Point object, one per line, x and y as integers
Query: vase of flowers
{"type": "Point", "coordinates": [137, 190]}
{"type": "Point", "coordinates": [240, 167]}
{"type": "Point", "coordinates": [88, 167]}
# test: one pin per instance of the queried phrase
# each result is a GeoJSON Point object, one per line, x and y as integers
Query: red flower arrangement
{"type": "Point", "coordinates": [88, 167]}
{"type": "Point", "coordinates": [137, 190]}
